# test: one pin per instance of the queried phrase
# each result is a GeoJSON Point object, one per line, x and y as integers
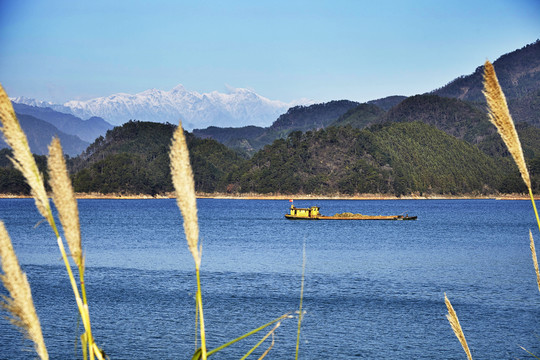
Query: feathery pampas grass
{"type": "Point", "coordinates": [184, 186]}
{"type": "Point", "coordinates": [65, 201]}
{"type": "Point", "coordinates": [20, 303]}
{"type": "Point", "coordinates": [23, 159]}
{"type": "Point", "coordinates": [456, 327]}
{"type": "Point", "coordinates": [499, 115]}
{"type": "Point", "coordinates": [182, 178]}
{"type": "Point", "coordinates": [535, 260]}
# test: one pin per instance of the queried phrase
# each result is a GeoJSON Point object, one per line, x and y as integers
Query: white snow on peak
{"type": "Point", "coordinates": [238, 107]}
{"type": "Point", "coordinates": [31, 102]}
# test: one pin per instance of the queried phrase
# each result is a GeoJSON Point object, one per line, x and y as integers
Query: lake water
{"type": "Point", "coordinates": [373, 289]}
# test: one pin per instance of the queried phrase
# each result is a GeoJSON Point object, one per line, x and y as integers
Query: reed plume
{"type": "Point", "coordinates": [456, 327]}
{"type": "Point", "coordinates": [23, 160]}
{"type": "Point", "coordinates": [184, 186]}
{"type": "Point", "coordinates": [20, 303]}
{"type": "Point", "coordinates": [65, 201]}
{"type": "Point", "coordinates": [182, 178]}
{"type": "Point", "coordinates": [500, 116]}
{"type": "Point", "coordinates": [535, 260]}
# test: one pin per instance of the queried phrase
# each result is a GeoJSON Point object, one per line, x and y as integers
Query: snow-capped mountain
{"type": "Point", "coordinates": [239, 107]}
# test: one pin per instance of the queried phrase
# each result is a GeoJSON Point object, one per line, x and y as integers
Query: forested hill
{"type": "Point", "coordinates": [360, 116]}
{"type": "Point", "coordinates": [134, 158]}
{"type": "Point", "coordinates": [455, 117]}
{"type": "Point", "coordinates": [391, 158]}
{"type": "Point", "coordinates": [312, 117]}
{"type": "Point", "coordinates": [398, 158]}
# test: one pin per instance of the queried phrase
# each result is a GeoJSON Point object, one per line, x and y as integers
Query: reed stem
{"type": "Point", "coordinates": [534, 207]}
{"type": "Point", "coordinates": [248, 334]}
{"type": "Point", "coordinates": [83, 308]}
{"type": "Point", "coordinates": [301, 300]}
{"type": "Point", "coordinates": [201, 317]}
{"type": "Point", "coordinates": [271, 332]}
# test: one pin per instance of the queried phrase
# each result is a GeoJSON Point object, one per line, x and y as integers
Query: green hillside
{"type": "Point", "coordinates": [526, 108]}
{"type": "Point", "coordinates": [360, 116]}
{"type": "Point", "coordinates": [11, 180]}
{"type": "Point", "coordinates": [453, 116]}
{"type": "Point", "coordinates": [133, 158]}
{"type": "Point", "coordinates": [396, 158]}
{"type": "Point", "coordinates": [388, 102]}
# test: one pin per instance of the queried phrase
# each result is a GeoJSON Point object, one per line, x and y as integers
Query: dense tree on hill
{"type": "Point", "coordinates": [360, 116]}
{"type": "Point", "coordinates": [11, 179]}
{"type": "Point", "coordinates": [397, 158]}
{"type": "Point", "coordinates": [134, 158]}
{"type": "Point", "coordinates": [526, 108]}
{"type": "Point", "coordinates": [453, 116]}
{"type": "Point", "coordinates": [388, 102]}
{"type": "Point", "coordinates": [313, 116]}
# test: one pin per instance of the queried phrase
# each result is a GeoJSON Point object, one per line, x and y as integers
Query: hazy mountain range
{"type": "Point", "coordinates": [238, 107]}
{"type": "Point", "coordinates": [457, 108]}
{"type": "Point", "coordinates": [462, 117]}
{"type": "Point", "coordinates": [39, 134]}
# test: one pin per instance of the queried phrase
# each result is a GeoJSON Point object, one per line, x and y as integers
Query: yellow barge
{"type": "Point", "coordinates": [313, 213]}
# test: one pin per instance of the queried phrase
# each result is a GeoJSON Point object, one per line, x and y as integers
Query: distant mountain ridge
{"type": "Point", "coordinates": [239, 107]}
{"type": "Point", "coordinates": [87, 130]}
{"type": "Point", "coordinates": [518, 73]}
{"type": "Point", "coordinates": [457, 108]}
{"type": "Point", "coordinates": [40, 133]}
{"type": "Point", "coordinates": [298, 118]}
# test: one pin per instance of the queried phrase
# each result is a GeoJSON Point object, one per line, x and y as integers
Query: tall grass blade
{"type": "Point", "coordinates": [20, 303]}
{"type": "Point", "coordinates": [499, 115]}
{"type": "Point", "coordinates": [268, 349]}
{"type": "Point", "coordinates": [184, 186]}
{"type": "Point", "coordinates": [254, 331]}
{"type": "Point", "coordinates": [23, 160]}
{"type": "Point", "coordinates": [456, 327]}
{"type": "Point", "coordinates": [271, 332]}
{"type": "Point", "coordinates": [300, 314]}
{"type": "Point", "coordinates": [535, 260]}
{"type": "Point", "coordinates": [530, 353]}
{"type": "Point", "coordinates": [65, 201]}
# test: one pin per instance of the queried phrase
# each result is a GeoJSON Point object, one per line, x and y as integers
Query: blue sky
{"type": "Point", "coordinates": [284, 50]}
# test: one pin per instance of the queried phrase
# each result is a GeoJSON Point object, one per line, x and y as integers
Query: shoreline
{"type": "Point", "coordinates": [251, 196]}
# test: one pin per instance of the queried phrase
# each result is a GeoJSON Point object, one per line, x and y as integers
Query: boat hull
{"type": "Point", "coordinates": [363, 217]}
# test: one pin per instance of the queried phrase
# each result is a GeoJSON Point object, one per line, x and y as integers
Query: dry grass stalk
{"type": "Point", "coordinates": [23, 159]}
{"type": "Point", "coordinates": [535, 260]}
{"type": "Point", "coordinates": [20, 303]}
{"type": "Point", "coordinates": [456, 327]}
{"type": "Point", "coordinates": [269, 348]}
{"type": "Point", "coordinates": [64, 200]}
{"type": "Point", "coordinates": [182, 177]}
{"type": "Point", "coordinates": [499, 115]}
{"type": "Point", "coordinates": [184, 186]}
{"type": "Point", "coordinates": [271, 332]}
